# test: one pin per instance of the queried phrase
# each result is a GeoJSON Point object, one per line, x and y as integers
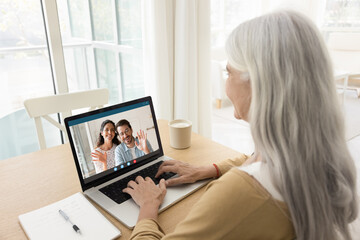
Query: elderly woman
{"type": "Point", "coordinates": [301, 181]}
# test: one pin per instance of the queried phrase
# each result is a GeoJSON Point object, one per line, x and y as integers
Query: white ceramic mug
{"type": "Point", "coordinates": [180, 133]}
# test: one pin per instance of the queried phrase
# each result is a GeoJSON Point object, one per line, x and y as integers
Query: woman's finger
{"type": "Point", "coordinates": [139, 179]}
{"type": "Point", "coordinates": [132, 184]}
{"type": "Point", "coordinates": [169, 162]}
{"type": "Point", "coordinates": [162, 185]}
{"type": "Point", "coordinates": [128, 190]}
{"type": "Point", "coordinates": [176, 181]}
{"type": "Point", "coordinates": [165, 169]}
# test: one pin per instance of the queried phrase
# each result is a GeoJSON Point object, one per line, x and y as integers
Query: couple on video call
{"type": "Point", "coordinates": [110, 152]}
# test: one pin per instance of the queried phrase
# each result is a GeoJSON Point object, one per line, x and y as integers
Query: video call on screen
{"type": "Point", "coordinates": [85, 132]}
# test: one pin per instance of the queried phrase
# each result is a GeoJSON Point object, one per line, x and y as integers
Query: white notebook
{"type": "Point", "coordinates": [48, 223]}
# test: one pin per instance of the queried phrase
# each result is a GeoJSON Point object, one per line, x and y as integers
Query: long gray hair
{"type": "Point", "coordinates": [296, 121]}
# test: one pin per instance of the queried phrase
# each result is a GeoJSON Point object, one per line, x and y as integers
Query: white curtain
{"type": "Point", "coordinates": [177, 60]}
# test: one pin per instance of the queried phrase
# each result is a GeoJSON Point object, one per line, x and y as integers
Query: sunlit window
{"type": "Point", "coordinates": [102, 45]}
{"type": "Point", "coordinates": [24, 59]}
{"type": "Point", "coordinates": [342, 14]}
{"type": "Point", "coordinates": [227, 14]}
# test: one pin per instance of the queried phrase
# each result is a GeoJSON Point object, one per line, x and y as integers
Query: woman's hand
{"type": "Point", "coordinates": [100, 157]}
{"type": "Point", "coordinates": [187, 173]}
{"type": "Point", "coordinates": [142, 136]}
{"type": "Point", "coordinates": [147, 195]}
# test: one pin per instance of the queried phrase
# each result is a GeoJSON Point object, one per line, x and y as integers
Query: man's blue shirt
{"type": "Point", "coordinates": [123, 153]}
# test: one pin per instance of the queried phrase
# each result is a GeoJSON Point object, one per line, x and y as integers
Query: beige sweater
{"type": "Point", "coordinates": [235, 206]}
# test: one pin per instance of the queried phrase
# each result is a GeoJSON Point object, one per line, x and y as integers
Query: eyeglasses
{"type": "Point", "coordinates": [125, 132]}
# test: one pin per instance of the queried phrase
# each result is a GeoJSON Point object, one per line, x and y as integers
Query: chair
{"type": "Point", "coordinates": [42, 107]}
{"type": "Point", "coordinates": [344, 50]}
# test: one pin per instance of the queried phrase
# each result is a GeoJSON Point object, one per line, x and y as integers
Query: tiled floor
{"type": "Point", "coordinates": [236, 134]}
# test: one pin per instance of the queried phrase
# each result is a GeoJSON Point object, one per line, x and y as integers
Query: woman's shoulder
{"type": "Point", "coordinates": [244, 188]}
{"type": "Point", "coordinates": [236, 182]}
{"type": "Point", "coordinates": [238, 200]}
{"type": "Point", "coordinates": [261, 175]}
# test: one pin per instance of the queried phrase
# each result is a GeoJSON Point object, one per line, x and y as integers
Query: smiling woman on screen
{"type": "Point", "coordinates": [301, 181]}
{"type": "Point", "coordinates": [103, 155]}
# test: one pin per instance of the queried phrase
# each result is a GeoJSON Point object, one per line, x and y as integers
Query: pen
{"type": "Point", "coordinates": [68, 219]}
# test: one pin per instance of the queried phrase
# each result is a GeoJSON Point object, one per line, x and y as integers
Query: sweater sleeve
{"type": "Point", "coordinates": [235, 207]}
{"type": "Point", "coordinates": [147, 229]}
{"type": "Point", "coordinates": [224, 207]}
{"type": "Point", "coordinates": [221, 213]}
{"type": "Point", "coordinates": [227, 164]}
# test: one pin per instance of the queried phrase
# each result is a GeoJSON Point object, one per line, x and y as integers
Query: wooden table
{"type": "Point", "coordinates": [34, 180]}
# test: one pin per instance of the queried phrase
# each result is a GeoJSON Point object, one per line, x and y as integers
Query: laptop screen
{"type": "Point", "coordinates": [111, 141]}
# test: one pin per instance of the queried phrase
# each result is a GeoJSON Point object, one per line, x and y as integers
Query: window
{"type": "Point", "coordinates": [24, 73]}
{"type": "Point", "coordinates": [341, 16]}
{"type": "Point", "coordinates": [24, 59]}
{"type": "Point", "coordinates": [102, 45]}
{"type": "Point", "coordinates": [227, 14]}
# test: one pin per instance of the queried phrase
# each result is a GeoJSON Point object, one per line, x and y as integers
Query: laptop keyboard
{"type": "Point", "coordinates": [114, 190]}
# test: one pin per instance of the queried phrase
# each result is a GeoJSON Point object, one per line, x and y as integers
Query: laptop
{"type": "Point", "coordinates": [104, 186]}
